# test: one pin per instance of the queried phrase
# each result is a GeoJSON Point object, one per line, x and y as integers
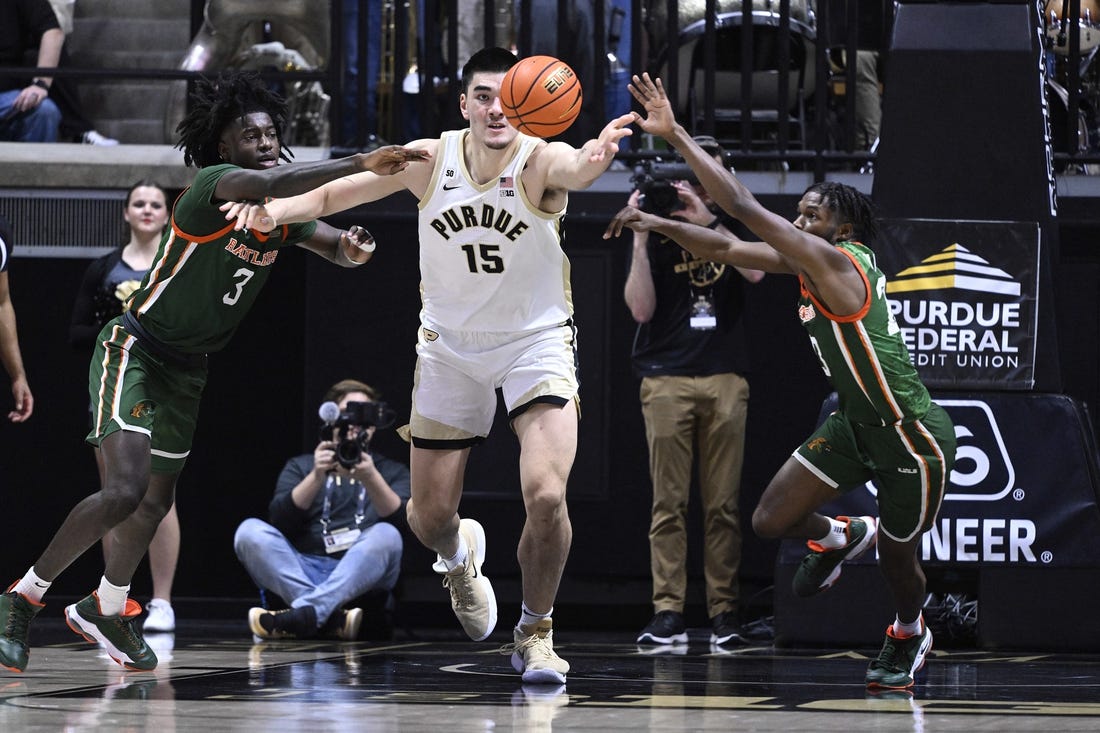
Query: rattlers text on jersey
{"type": "Point", "coordinates": [863, 354]}
{"type": "Point", "coordinates": [206, 275]}
{"type": "Point", "coordinates": [490, 260]}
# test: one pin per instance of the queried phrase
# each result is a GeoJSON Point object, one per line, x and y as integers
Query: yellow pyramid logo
{"type": "Point", "coordinates": [954, 267]}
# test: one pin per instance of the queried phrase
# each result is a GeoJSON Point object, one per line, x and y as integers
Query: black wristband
{"type": "Point", "coordinates": [40, 84]}
{"type": "Point", "coordinates": [714, 224]}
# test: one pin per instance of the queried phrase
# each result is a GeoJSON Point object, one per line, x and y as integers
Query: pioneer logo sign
{"type": "Point", "coordinates": [965, 295]}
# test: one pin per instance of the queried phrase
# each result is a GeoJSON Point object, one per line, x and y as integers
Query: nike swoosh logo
{"type": "Point", "coordinates": [451, 188]}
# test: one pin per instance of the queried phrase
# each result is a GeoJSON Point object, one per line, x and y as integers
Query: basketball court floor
{"type": "Point", "coordinates": [215, 677]}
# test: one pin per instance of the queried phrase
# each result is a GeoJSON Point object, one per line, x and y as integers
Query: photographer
{"type": "Point", "coordinates": [332, 534]}
{"type": "Point", "coordinates": [691, 356]}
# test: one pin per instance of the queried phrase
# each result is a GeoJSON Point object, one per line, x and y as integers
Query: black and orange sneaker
{"type": "Point", "coordinates": [117, 634]}
{"type": "Point", "coordinates": [900, 658]}
{"type": "Point", "coordinates": [821, 567]}
{"type": "Point", "coordinates": [16, 613]}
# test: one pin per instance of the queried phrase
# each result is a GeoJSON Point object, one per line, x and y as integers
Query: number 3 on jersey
{"type": "Point", "coordinates": [483, 257]}
{"type": "Point", "coordinates": [244, 275]}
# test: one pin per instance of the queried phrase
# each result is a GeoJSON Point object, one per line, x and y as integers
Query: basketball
{"type": "Point", "coordinates": [541, 96]}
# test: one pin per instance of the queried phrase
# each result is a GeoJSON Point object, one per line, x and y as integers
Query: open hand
{"type": "Point", "coordinates": [659, 119]}
{"type": "Point", "coordinates": [607, 144]}
{"type": "Point", "coordinates": [390, 159]}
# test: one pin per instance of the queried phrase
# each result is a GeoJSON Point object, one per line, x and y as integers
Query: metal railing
{"type": "Point", "coordinates": [818, 135]}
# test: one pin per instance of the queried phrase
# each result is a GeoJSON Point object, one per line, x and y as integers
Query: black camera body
{"type": "Point", "coordinates": [349, 430]}
{"type": "Point", "coordinates": [654, 178]}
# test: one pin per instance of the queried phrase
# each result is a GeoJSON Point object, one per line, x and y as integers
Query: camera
{"type": "Point", "coordinates": [654, 178]}
{"type": "Point", "coordinates": [348, 429]}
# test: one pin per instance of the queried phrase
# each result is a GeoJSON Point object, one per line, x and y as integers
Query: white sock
{"type": "Point", "coordinates": [112, 598]}
{"type": "Point", "coordinates": [903, 630]}
{"type": "Point", "coordinates": [31, 586]}
{"type": "Point", "coordinates": [459, 559]}
{"type": "Point", "coordinates": [529, 618]}
{"type": "Point", "coordinates": [836, 537]}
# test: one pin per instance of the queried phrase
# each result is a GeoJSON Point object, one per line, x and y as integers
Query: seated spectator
{"type": "Point", "coordinates": [27, 114]}
{"type": "Point", "coordinates": [332, 535]}
{"type": "Point", "coordinates": [74, 127]}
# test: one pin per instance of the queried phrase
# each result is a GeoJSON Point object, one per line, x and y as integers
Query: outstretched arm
{"type": "Point", "coordinates": [723, 187]}
{"type": "Point", "coordinates": [296, 178]}
{"type": "Point", "coordinates": [702, 241]}
{"type": "Point", "coordinates": [334, 196]}
{"type": "Point", "coordinates": [573, 169]}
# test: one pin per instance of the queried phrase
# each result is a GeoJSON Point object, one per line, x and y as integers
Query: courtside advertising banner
{"type": "Point", "coordinates": [965, 295]}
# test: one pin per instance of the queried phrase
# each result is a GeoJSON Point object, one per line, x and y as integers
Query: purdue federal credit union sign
{"type": "Point", "coordinates": [965, 295]}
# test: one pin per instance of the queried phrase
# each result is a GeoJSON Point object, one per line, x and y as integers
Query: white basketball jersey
{"type": "Point", "coordinates": [489, 259]}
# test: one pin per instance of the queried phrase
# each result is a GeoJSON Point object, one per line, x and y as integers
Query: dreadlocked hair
{"type": "Point", "coordinates": [854, 208]}
{"type": "Point", "coordinates": [214, 105]}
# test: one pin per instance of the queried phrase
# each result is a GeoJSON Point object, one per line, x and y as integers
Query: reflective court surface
{"type": "Point", "coordinates": [217, 678]}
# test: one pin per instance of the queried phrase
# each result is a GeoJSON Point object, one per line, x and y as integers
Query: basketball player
{"type": "Point", "coordinates": [497, 312]}
{"type": "Point", "coordinates": [149, 366]}
{"type": "Point", "coordinates": [887, 429]}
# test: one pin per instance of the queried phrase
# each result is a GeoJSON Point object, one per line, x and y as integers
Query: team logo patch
{"type": "Point", "coordinates": [821, 445]}
{"type": "Point", "coordinates": [430, 335]}
{"type": "Point", "coordinates": [141, 409]}
{"type": "Point", "coordinates": [806, 313]}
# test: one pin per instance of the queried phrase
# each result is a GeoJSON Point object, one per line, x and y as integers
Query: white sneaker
{"type": "Point", "coordinates": [161, 616]}
{"type": "Point", "coordinates": [472, 597]}
{"type": "Point", "coordinates": [91, 137]}
{"type": "Point", "coordinates": [533, 654]}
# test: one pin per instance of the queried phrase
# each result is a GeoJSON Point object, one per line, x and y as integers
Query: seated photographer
{"type": "Point", "coordinates": [333, 532]}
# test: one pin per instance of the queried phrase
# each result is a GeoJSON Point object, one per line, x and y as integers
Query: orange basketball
{"type": "Point", "coordinates": [541, 96]}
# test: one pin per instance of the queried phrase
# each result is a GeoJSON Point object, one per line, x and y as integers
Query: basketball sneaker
{"type": "Point", "coordinates": [161, 618]}
{"type": "Point", "coordinates": [725, 629]}
{"type": "Point", "coordinates": [343, 624]}
{"type": "Point", "coordinates": [533, 654]}
{"type": "Point", "coordinates": [821, 567]}
{"type": "Point", "coordinates": [472, 597]}
{"type": "Point", "coordinates": [116, 634]}
{"type": "Point", "coordinates": [286, 623]}
{"type": "Point", "coordinates": [899, 660]}
{"type": "Point", "coordinates": [666, 627]}
{"type": "Point", "coordinates": [16, 613]}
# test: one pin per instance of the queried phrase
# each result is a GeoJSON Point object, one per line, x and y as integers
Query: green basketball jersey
{"type": "Point", "coordinates": [864, 355]}
{"type": "Point", "coordinates": [206, 276]}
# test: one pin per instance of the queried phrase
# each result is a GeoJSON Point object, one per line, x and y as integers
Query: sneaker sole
{"type": "Point", "coordinates": [91, 634]}
{"type": "Point", "coordinates": [663, 640]}
{"type": "Point", "coordinates": [537, 676]}
{"type": "Point", "coordinates": [478, 532]}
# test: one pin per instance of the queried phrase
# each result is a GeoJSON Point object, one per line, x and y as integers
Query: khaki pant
{"type": "Point", "coordinates": [682, 413]}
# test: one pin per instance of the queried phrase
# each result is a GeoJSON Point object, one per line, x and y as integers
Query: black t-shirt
{"type": "Point", "coordinates": [22, 24]}
{"type": "Point", "coordinates": [667, 344]}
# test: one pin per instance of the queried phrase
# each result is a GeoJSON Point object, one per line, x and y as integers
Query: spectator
{"type": "Point", "coordinates": [107, 285]}
{"type": "Point", "coordinates": [27, 114]}
{"type": "Point", "coordinates": [10, 354]}
{"type": "Point", "coordinates": [331, 535]}
{"type": "Point", "coordinates": [691, 354]}
{"type": "Point", "coordinates": [149, 368]}
{"type": "Point", "coordinates": [74, 126]}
